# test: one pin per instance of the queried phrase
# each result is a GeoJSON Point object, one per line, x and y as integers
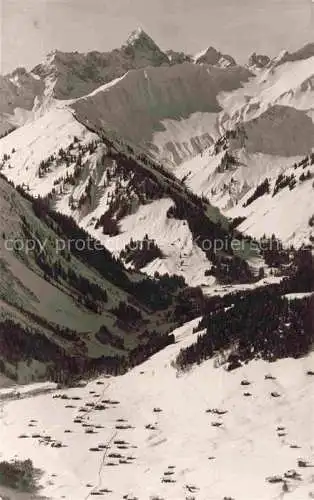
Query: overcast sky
{"type": "Point", "coordinates": [31, 28]}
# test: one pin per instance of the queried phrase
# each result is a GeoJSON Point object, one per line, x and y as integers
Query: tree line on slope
{"type": "Point", "coordinates": [249, 333]}
{"type": "Point", "coordinates": [27, 344]}
{"type": "Point", "coordinates": [62, 352]}
{"type": "Point", "coordinates": [187, 205]}
{"type": "Point", "coordinates": [258, 324]}
{"type": "Point", "coordinates": [157, 294]}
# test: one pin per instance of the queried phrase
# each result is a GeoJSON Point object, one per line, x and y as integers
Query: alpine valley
{"type": "Point", "coordinates": [157, 277]}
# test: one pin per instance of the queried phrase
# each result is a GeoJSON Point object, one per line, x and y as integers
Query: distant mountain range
{"type": "Point", "coordinates": [173, 107]}
{"type": "Point", "coordinates": [143, 197]}
{"type": "Point", "coordinates": [139, 145]}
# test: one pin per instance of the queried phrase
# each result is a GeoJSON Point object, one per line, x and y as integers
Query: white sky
{"type": "Point", "coordinates": [31, 28]}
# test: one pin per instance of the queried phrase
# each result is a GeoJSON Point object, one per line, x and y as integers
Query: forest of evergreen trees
{"type": "Point", "coordinates": [237, 321]}
{"type": "Point", "coordinates": [251, 324]}
{"type": "Point", "coordinates": [263, 188]}
{"type": "Point", "coordinates": [22, 344]}
{"type": "Point", "coordinates": [262, 323]}
{"type": "Point", "coordinates": [156, 182]}
{"type": "Point", "coordinates": [155, 293]}
{"type": "Point", "coordinates": [140, 253]}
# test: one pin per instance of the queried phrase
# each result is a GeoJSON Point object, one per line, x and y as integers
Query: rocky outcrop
{"type": "Point", "coordinates": [77, 74]}
{"type": "Point", "coordinates": [258, 61]}
{"type": "Point", "coordinates": [215, 58]}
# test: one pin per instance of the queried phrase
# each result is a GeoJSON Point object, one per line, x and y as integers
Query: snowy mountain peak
{"type": "Point", "coordinates": [141, 47]}
{"type": "Point", "coordinates": [50, 57]}
{"type": "Point", "coordinates": [215, 58]}
{"type": "Point", "coordinates": [136, 35]}
{"type": "Point", "coordinates": [140, 39]}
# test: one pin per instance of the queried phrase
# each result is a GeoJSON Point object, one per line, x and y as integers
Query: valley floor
{"type": "Point", "coordinates": [150, 435]}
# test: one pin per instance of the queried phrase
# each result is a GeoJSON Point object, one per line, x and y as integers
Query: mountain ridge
{"type": "Point", "coordinates": [171, 113]}
{"type": "Point", "coordinates": [153, 206]}
{"type": "Point", "coordinates": [68, 310]}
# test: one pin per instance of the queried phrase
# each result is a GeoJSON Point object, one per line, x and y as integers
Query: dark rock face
{"type": "Point", "coordinates": [216, 58]}
{"type": "Point", "coordinates": [258, 60]}
{"type": "Point", "coordinates": [178, 57]}
{"type": "Point", "coordinates": [78, 74]}
{"type": "Point", "coordinates": [299, 55]}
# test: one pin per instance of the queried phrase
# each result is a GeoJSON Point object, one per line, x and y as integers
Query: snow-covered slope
{"type": "Point", "coordinates": [158, 92]}
{"type": "Point", "coordinates": [67, 306]}
{"type": "Point", "coordinates": [282, 83]}
{"type": "Point", "coordinates": [28, 146]}
{"type": "Point", "coordinates": [172, 107]}
{"type": "Point", "coordinates": [149, 434]}
{"type": "Point", "coordinates": [181, 255]}
{"type": "Point", "coordinates": [266, 127]}
{"type": "Point", "coordinates": [287, 213]}
{"type": "Point", "coordinates": [115, 198]}
{"type": "Point", "coordinates": [158, 107]}
{"type": "Point", "coordinates": [233, 178]}
{"type": "Point", "coordinates": [65, 76]}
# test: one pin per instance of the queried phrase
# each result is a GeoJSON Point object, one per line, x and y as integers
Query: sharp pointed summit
{"type": "Point", "coordinates": [137, 35]}
{"type": "Point", "coordinates": [153, 206]}
{"type": "Point", "coordinates": [140, 45]}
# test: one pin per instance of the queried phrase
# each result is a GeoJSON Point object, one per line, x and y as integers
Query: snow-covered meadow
{"type": "Point", "coordinates": [155, 433]}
